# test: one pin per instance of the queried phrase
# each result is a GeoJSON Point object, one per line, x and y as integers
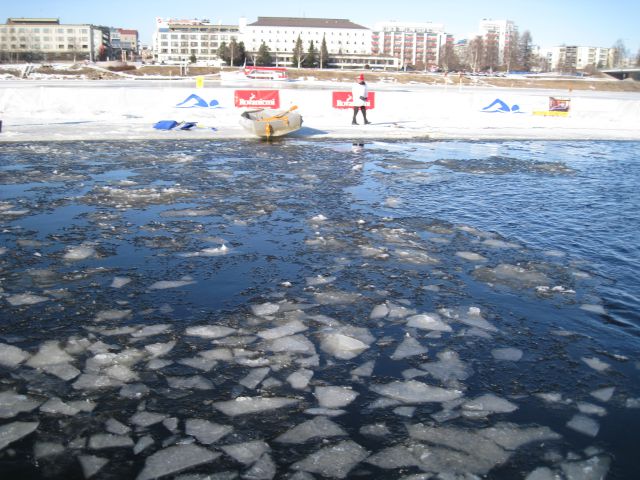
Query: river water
{"type": "Point", "coordinates": [331, 309]}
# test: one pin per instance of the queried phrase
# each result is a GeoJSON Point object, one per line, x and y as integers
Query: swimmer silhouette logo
{"type": "Point", "coordinates": [195, 101]}
{"type": "Point", "coordinates": [499, 106]}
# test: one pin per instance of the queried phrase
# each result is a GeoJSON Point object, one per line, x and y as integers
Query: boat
{"type": "Point", "coordinates": [257, 73]}
{"type": "Point", "coordinates": [268, 122]}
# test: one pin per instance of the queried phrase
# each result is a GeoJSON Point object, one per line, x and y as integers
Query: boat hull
{"type": "Point", "coordinates": [268, 123]}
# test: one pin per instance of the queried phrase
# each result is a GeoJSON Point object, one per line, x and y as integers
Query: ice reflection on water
{"type": "Point", "coordinates": [303, 309]}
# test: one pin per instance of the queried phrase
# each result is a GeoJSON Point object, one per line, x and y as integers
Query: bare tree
{"type": "Point", "coordinates": [618, 54]}
{"type": "Point", "coordinates": [491, 51]}
{"type": "Point", "coordinates": [512, 52]}
{"type": "Point", "coordinates": [475, 53]}
{"type": "Point", "coordinates": [638, 58]}
{"type": "Point", "coordinates": [448, 60]}
{"type": "Point", "coordinates": [526, 51]}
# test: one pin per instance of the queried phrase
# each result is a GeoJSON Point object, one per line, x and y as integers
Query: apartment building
{"type": "Point", "coordinates": [46, 39]}
{"type": "Point", "coordinates": [176, 41]}
{"type": "Point", "coordinates": [497, 36]}
{"type": "Point", "coordinates": [571, 58]}
{"type": "Point", "coordinates": [414, 44]}
{"type": "Point", "coordinates": [124, 44]}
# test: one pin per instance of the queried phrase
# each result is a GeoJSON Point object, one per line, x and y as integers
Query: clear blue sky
{"type": "Point", "coordinates": [551, 22]}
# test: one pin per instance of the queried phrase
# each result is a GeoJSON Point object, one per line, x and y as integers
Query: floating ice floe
{"type": "Point", "coordinates": [448, 367]}
{"type": "Point", "coordinates": [265, 309]}
{"type": "Point", "coordinates": [594, 468]}
{"type": "Point", "coordinates": [119, 282]}
{"type": "Point", "coordinates": [80, 252]}
{"type": "Point", "coordinates": [471, 256]}
{"type": "Point", "coordinates": [254, 377]}
{"type": "Point", "coordinates": [175, 459]}
{"type": "Point", "coordinates": [583, 424]}
{"type": "Point", "coordinates": [109, 440]}
{"type": "Point", "coordinates": [472, 317]}
{"type": "Point", "coordinates": [428, 321]}
{"type": "Point", "coordinates": [11, 356]}
{"type": "Point", "coordinates": [335, 461]}
{"type": "Point", "coordinates": [508, 354]}
{"type": "Point", "coordinates": [160, 349]}
{"type": "Point", "coordinates": [413, 391]}
{"type": "Point", "coordinates": [487, 404]}
{"type": "Point", "coordinates": [12, 403]}
{"type": "Point", "coordinates": [409, 347]}
{"type": "Point", "coordinates": [596, 364]}
{"type": "Point", "coordinates": [603, 394]}
{"type": "Point", "coordinates": [208, 252]}
{"type": "Point", "coordinates": [334, 397]}
{"type": "Point", "coordinates": [166, 284]}
{"type": "Point", "coordinates": [512, 275]}
{"type": "Point", "coordinates": [593, 308]}
{"type": "Point", "coordinates": [210, 331]}
{"type": "Point", "coordinates": [290, 328]}
{"type": "Point", "coordinates": [206, 432]}
{"type": "Point", "coordinates": [248, 405]}
{"type": "Point", "coordinates": [11, 432]}
{"type": "Point", "coordinates": [91, 464]}
{"type": "Point", "coordinates": [20, 299]}
{"type": "Point", "coordinates": [318, 427]}
{"type": "Point", "coordinates": [111, 315]}
{"type": "Point", "coordinates": [319, 280]}
{"type": "Point", "coordinates": [47, 449]}
{"type": "Point", "coordinates": [248, 452]}
{"type": "Point", "coordinates": [342, 346]}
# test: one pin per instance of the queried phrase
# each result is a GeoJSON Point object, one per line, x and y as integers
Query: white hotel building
{"type": "Point", "coordinates": [498, 33]}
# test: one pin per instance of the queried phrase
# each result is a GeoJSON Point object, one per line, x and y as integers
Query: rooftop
{"type": "Point", "coordinates": [305, 22]}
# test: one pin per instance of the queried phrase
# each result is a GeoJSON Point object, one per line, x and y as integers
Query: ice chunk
{"type": "Point", "coordinates": [596, 364]}
{"type": "Point", "coordinates": [336, 297]}
{"type": "Point", "coordinates": [594, 308]}
{"type": "Point", "coordinates": [89, 381]}
{"type": "Point", "coordinates": [394, 457]}
{"type": "Point", "coordinates": [413, 391]}
{"type": "Point", "coordinates": [603, 394]}
{"type": "Point", "coordinates": [47, 449]}
{"type": "Point", "coordinates": [448, 367]}
{"type": "Point", "coordinates": [151, 330]}
{"type": "Point", "coordinates": [335, 461]}
{"type": "Point", "coordinates": [263, 469]}
{"type": "Point", "coordinates": [379, 311]}
{"type": "Point", "coordinates": [318, 427]}
{"type": "Point", "coordinates": [408, 348]}
{"type": "Point", "coordinates": [146, 419]}
{"type": "Point", "coordinates": [327, 412]}
{"type": "Point", "coordinates": [375, 430]}
{"type": "Point", "coordinates": [11, 356]}
{"type": "Point", "coordinates": [595, 468]}
{"type": "Point", "coordinates": [247, 405]}
{"type": "Point", "coordinates": [199, 363]}
{"type": "Point", "coordinates": [160, 349]}
{"type": "Point", "coordinates": [63, 371]}
{"type": "Point", "coordinates": [471, 256]}
{"type": "Point", "coordinates": [428, 321]}
{"type": "Point", "coordinates": [290, 328]}
{"type": "Point", "coordinates": [112, 315]}
{"type": "Point", "coordinates": [583, 424]}
{"type": "Point", "coordinates": [175, 459]}
{"type": "Point", "coordinates": [543, 473]}
{"type": "Point", "coordinates": [511, 436]}
{"type": "Point", "coordinates": [404, 411]}
{"type": "Point", "coordinates": [11, 432]}
{"type": "Point", "coordinates": [119, 282]}
{"type": "Point", "coordinates": [334, 397]}
{"type": "Point", "coordinates": [293, 344]}
{"type": "Point", "coordinates": [49, 353]}
{"type": "Point", "coordinates": [319, 280]}
{"type": "Point", "coordinates": [109, 440]}
{"type": "Point", "coordinates": [508, 354]}
{"type": "Point", "coordinates": [117, 428]}
{"type": "Point", "coordinates": [195, 382]}
{"type": "Point", "coordinates": [342, 346]}
{"type": "Point", "coordinates": [91, 464]}
{"type": "Point", "coordinates": [364, 370]}
{"type": "Point", "coordinates": [165, 284]}
{"type": "Point", "coordinates": [255, 376]}
{"type": "Point", "coordinates": [300, 379]}
{"type": "Point", "coordinates": [210, 331]}
{"type": "Point", "coordinates": [57, 406]}
{"type": "Point", "coordinates": [487, 404]}
{"type": "Point", "coordinates": [12, 403]}
{"type": "Point", "coordinates": [206, 432]}
{"type": "Point", "coordinates": [591, 409]}
{"type": "Point", "coordinates": [265, 309]}
{"type": "Point", "coordinates": [134, 391]}
{"type": "Point", "coordinates": [142, 444]}
{"type": "Point", "coordinates": [80, 252]}
{"type": "Point", "coordinates": [247, 452]}
{"type": "Point", "coordinates": [20, 299]}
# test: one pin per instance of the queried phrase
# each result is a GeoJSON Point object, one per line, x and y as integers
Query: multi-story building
{"type": "Point", "coordinates": [177, 41]}
{"type": "Point", "coordinates": [416, 44]}
{"type": "Point", "coordinates": [124, 44]}
{"type": "Point", "coordinates": [46, 39]}
{"type": "Point", "coordinates": [497, 36]}
{"type": "Point", "coordinates": [571, 58]}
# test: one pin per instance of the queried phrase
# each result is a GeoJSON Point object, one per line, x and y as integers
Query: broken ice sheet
{"type": "Point", "coordinates": [20, 299]}
{"type": "Point", "coordinates": [318, 427]}
{"type": "Point", "coordinates": [11, 432]}
{"type": "Point", "coordinates": [247, 452]}
{"type": "Point", "coordinates": [13, 403]}
{"type": "Point", "coordinates": [11, 356]}
{"type": "Point", "coordinates": [175, 459]}
{"type": "Point", "coordinates": [248, 405]}
{"type": "Point", "coordinates": [413, 391]}
{"type": "Point", "coordinates": [335, 461]}
{"type": "Point", "coordinates": [408, 348]}
{"type": "Point", "coordinates": [334, 397]}
{"type": "Point", "coordinates": [206, 432]}
{"type": "Point", "coordinates": [583, 424]}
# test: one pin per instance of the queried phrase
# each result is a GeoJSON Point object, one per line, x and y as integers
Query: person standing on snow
{"type": "Point", "coordinates": [360, 92]}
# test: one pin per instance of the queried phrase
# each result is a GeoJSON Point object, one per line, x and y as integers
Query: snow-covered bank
{"type": "Point", "coordinates": [127, 111]}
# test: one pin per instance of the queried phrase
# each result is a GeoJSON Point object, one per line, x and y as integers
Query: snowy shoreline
{"type": "Point", "coordinates": [61, 110]}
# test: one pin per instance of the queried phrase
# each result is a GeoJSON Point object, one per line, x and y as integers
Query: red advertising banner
{"type": "Point", "coordinates": [345, 100]}
{"type": "Point", "coordinates": [257, 98]}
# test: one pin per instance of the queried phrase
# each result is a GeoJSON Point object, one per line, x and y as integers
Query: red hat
{"type": "Point", "coordinates": [361, 78]}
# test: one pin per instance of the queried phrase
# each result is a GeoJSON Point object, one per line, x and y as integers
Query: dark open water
{"type": "Point", "coordinates": [307, 310]}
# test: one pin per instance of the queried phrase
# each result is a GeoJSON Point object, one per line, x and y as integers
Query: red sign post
{"type": "Point", "coordinates": [257, 98]}
{"type": "Point", "coordinates": [345, 100]}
